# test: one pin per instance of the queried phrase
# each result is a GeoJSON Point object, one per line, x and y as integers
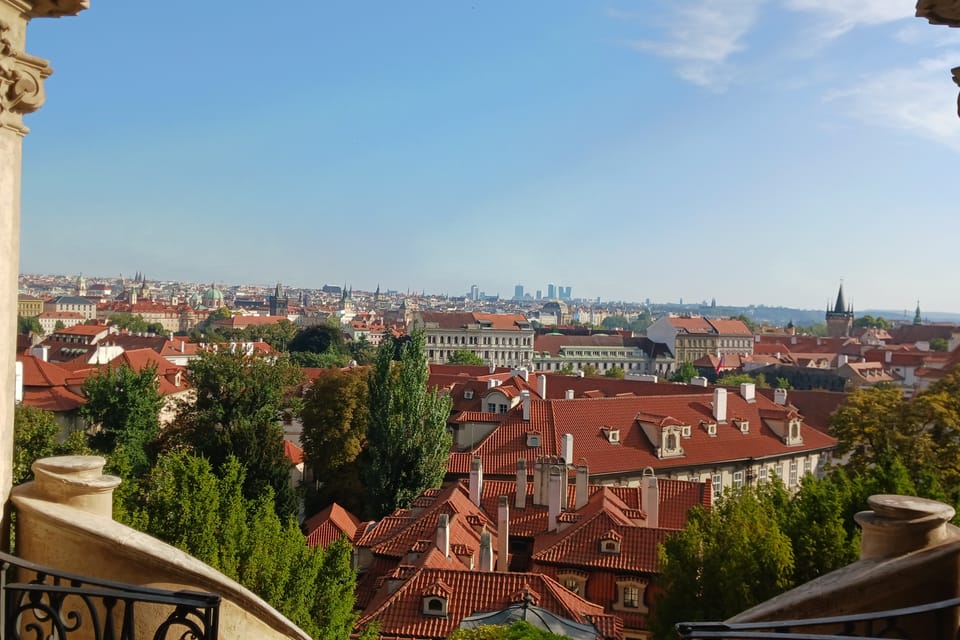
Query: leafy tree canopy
{"type": "Point", "coordinates": [615, 372]}
{"type": "Point", "coordinates": [519, 630]}
{"type": "Point", "coordinates": [26, 326]}
{"type": "Point", "coordinates": [462, 356]}
{"type": "Point", "coordinates": [322, 338]}
{"type": "Point", "coordinates": [684, 372]}
{"type": "Point", "coordinates": [36, 435]}
{"type": "Point", "coordinates": [408, 441]}
{"type": "Point", "coordinates": [869, 322]}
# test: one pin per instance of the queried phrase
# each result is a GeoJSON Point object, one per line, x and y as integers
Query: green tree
{"type": "Point", "coordinates": [26, 326]}
{"type": "Point", "coordinates": [408, 441]}
{"type": "Point", "coordinates": [123, 406]}
{"type": "Point", "coordinates": [327, 360]}
{"type": "Point", "coordinates": [239, 404]}
{"type": "Point", "coordinates": [321, 338]}
{"type": "Point", "coordinates": [939, 344]}
{"type": "Point", "coordinates": [58, 325]}
{"type": "Point", "coordinates": [684, 372]}
{"type": "Point", "coordinates": [205, 514]}
{"type": "Point", "coordinates": [615, 372]}
{"type": "Point", "coordinates": [362, 351]}
{"type": "Point", "coordinates": [589, 371]}
{"type": "Point", "coordinates": [334, 430]}
{"type": "Point", "coordinates": [462, 356]}
{"type": "Point", "coordinates": [130, 322]}
{"type": "Point", "coordinates": [783, 383]}
{"type": "Point", "coordinates": [36, 435]}
{"type": "Point", "coordinates": [566, 370]}
{"type": "Point", "coordinates": [726, 560]}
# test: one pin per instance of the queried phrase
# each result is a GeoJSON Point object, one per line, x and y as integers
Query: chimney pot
{"type": "Point", "coordinates": [525, 399]}
{"type": "Point", "coordinates": [720, 405]}
{"type": "Point", "coordinates": [780, 396]}
{"type": "Point", "coordinates": [521, 500]}
{"type": "Point", "coordinates": [443, 534]}
{"type": "Point", "coordinates": [476, 480]}
{"type": "Point", "coordinates": [542, 386]}
{"type": "Point", "coordinates": [583, 489]}
{"type": "Point", "coordinates": [568, 394]}
{"type": "Point", "coordinates": [503, 533]}
{"type": "Point", "coordinates": [556, 495]}
{"type": "Point", "coordinates": [486, 552]}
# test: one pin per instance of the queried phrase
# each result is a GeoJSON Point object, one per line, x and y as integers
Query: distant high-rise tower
{"type": "Point", "coordinates": [474, 292]}
{"type": "Point", "coordinates": [279, 302]}
{"type": "Point", "coordinates": [539, 294]}
{"type": "Point", "coordinates": [551, 291]}
{"type": "Point", "coordinates": [518, 292]}
{"type": "Point", "coordinates": [840, 319]}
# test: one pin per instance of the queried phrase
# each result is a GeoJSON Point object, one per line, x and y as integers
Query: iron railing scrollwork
{"type": "Point", "coordinates": [37, 603]}
{"type": "Point", "coordinates": [879, 625]}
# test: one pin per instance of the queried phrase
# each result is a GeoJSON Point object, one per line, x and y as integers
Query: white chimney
{"type": "Point", "coordinates": [491, 383]}
{"type": "Point", "coordinates": [780, 396]}
{"type": "Point", "coordinates": [183, 346]}
{"type": "Point", "coordinates": [525, 399]}
{"type": "Point", "coordinates": [842, 359]}
{"type": "Point", "coordinates": [18, 382]}
{"type": "Point", "coordinates": [524, 374]}
{"type": "Point", "coordinates": [698, 381]}
{"type": "Point", "coordinates": [568, 394]}
{"type": "Point", "coordinates": [793, 339]}
{"type": "Point", "coordinates": [538, 482]}
{"type": "Point", "coordinates": [720, 405]}
{"type": "Point", "coordinates": [889, 356]}
{"type": "Point", "coordinates": [542, 386]}
{"type": "Point", "coordinates": [583, 490]}
{"type": "Point", "coordinates": [651, 498]}
{"type": "Point", "coordinates": [503, 533]}
{"type": "Point", "coordinates": [556, 495]}
{"type": "Point", "coordinates": [748, 391]}
{"type": "Point", "coordinates": [486, 552]}
{"type": "Point", "coordinates": [566, 447]}
{"type": "Point", "coordinates": [493, 368]}
{"type": "Point", "coordinates": [40, 352]}
{"type": "Point", "coordinates": [443, 534]}
{"type": "Point", "coordinates": [476, 480]}
{"type": "Point", "coordinates": [521, 501]}
{"type": "Point", "coordinates": [647, 377]}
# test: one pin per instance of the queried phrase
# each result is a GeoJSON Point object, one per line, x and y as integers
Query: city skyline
{"type": "Point", "coordinates": [746, 151]}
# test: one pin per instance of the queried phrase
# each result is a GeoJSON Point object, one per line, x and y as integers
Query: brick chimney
{"type": "Point", "coordinates": [720, 405]}
{"type": "Point", "coordinates": [521, 500]}
{"type": "Point", "coordinates": [486, 552]}
{"type": "Point", "coordinates": [525, 399]}
{"type": "Point", "coordinates": [443, 534]}
{"type": "Point", "coordinates": [650, 497]}
{"type": "Point", "coordinates": [503, 533]}
{"type": "Point", "coordinates": [556, 491]}
{"type": "Point", "coordinates": [538, 482]}
{"type": "Point", "coordinates": [476, 480]}
{"type": "Point", "coordinates": [583, 491]}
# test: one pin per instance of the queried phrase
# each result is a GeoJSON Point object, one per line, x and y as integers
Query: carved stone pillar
{"type": "Point", "coordinates": [21, 92]}
{"type": "Point", "coordinates": [946, 12]}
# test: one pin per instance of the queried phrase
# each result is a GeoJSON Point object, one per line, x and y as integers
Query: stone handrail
{"type": "Point", "coordinates": [64, 520]}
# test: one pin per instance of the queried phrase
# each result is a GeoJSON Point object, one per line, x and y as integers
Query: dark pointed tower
{"type": "Point", "coordinates": [279, 302]}
{"type": "Point", "coordinates": [840, 319]}
{"type": "Point", "coordinates": [916, 315]}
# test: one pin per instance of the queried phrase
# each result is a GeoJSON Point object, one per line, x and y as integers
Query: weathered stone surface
{"type": "Point", "coordinates": [940, 11]}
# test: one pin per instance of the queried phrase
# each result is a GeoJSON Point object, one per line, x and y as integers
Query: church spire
{"type": "Point", "coordinates": [841, 306]}
{"type": "Point", "coordinates": [916, 315]}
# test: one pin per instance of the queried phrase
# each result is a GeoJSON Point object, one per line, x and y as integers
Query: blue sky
{"type": "Point", "coordinates": [752, 151]}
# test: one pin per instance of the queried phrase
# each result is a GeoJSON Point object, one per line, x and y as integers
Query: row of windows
{"type": "Point", "coordinates": [629, 594]}
{"type": "Point", "coordinates": [441, 355]}
{"type": "Point", "coordinates": [601, 366]}
{"type": "Point", "coordinates": [495, 340]}
{"type": "Point", "coordinates": [791, 478]}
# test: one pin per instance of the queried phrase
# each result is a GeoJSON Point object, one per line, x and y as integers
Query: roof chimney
{"type": "Point", "coordinates": [780, 396]}
{"type": "Point", "coordinates": [491, 383]}
{"type": "Point", "coordinates": [525, 399]}
{"type": "Point", "coordinates": [720, 405]}
{"type": "Point", "coordinates": [493, 368]}
{"type": "Point", "coordinates": [542, 386]}
{"type": "Point", "coordinates": [842, 359]}
{"type": "Point", "coordinates": [486, 552]}
{"type": "Point", "coordinates": [650, 498]}
{"type": "Point", "coordinates": [443, 534]}
{"type": "Point", "coordinates": [748, 391]}
{"type": "Point", "coordinates": [568, 394]}
{"type": "Point", "coordinates": [41, 352]}
{"type": "Point", "coordinates": [537, 482]}
{"type": "Point", "coordinates": [566, 448]}
{"type": "Point", "coordinates": [503, 533]}
{"type": "Point", "coordinates": [698, 381]}
{"type": "Point", "coordinates": [554, 507]}
{"type": "Point", "coordinates": [476, 480]}
{"type": "Point", "coordinates": [583, 490]}
{"type": "Point", "coordinates": [521, 502]}
{"type": "Point", "coordinates": [889, 356]}
{"type": "Point", "coordinates": [183, 346]}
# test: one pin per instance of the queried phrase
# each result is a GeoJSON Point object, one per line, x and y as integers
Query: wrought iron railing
{"type": "Point", "coordinates": [37, 602]}
{"type": "Point", "coordinates": [932, 620]}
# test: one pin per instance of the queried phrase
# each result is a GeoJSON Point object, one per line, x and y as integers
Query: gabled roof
{"type": "Point", "coordinates": [399, 613]}
{"type": "Point", "coordinates": [330, 524]}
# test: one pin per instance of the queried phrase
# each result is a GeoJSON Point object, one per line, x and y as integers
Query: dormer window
{"type": "Point", "coordinates": [468, 394]}
{"type": "Point", "coordinates": [630, 596]}
{"type": "Point", "coordinates": [794, 433]}
{"type": "Point", "coordinates": [533, 439]}
{"type": "Point", "coordinates": [612, 435]}
{"type": "Point", "coordinates": [610, 543]}
{"type": "Point", "coordinates": [574, 581]}
{"type": "Point", "coordinates": [710, 428]}
{"type": "Point", "coordinates": [744, 425]}
{"type": "Point", "coordinates": [435, 606]}
{"type": "Point", "coordinates": [685, 431]}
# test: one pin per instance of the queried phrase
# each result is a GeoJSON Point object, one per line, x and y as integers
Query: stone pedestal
{"type": "Point", "coordinates": [899, 525]}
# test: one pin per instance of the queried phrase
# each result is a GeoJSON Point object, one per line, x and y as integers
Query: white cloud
{"type": "Point", "coordinates": [702, 36]}
{"type": "Point", "coordinates": [837, 17]}
{"type": "Point", "coordinates": [919, 99]}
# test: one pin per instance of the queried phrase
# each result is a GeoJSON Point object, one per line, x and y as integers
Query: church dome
{"type": "Point", "coordinates": [213, 297]}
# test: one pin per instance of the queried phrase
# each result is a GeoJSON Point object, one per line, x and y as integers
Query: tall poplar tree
{"type": "Point", "coordinates": [407, 439]}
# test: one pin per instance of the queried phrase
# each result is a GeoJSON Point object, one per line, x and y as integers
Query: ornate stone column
{"type": "Point", "coordinates": [21, 92]}
{"type": "Point", "coordinates": [945, 12]}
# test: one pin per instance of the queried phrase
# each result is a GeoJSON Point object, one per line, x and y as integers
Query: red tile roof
{"type": "Point", "coordinates": [334, 521]}
{"type": "Point", "coordinates": [292, 452]}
